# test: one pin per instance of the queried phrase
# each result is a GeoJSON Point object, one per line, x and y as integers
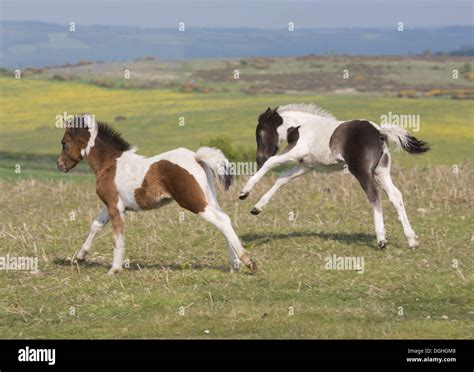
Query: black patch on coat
{"type": "Point", "coordinates": [266, 135]}
{"type": "Point", "coordinates": [292, 137]}
{"type": "Point", "coordinates": [361, 146]}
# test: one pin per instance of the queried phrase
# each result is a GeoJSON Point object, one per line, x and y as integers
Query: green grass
{"type": "Point", "coordinates": [184, 264]}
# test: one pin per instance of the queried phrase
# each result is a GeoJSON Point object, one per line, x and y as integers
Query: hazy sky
{"type": "Point", "coordinates": [243, 13]}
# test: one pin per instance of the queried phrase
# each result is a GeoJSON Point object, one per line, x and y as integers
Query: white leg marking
{"type": "Point", "coordinates": [97, 225]}
{"type": "Point", "coordinates": [379, 225]}
{"type": "Point", "coordinates": [119, 250]}
{"type": "Point", "coordinates": [222, 221]}
{"type": "Point", "coordinates": [395, 196]}
{"type": "Point", "coordinates": [286, 177]}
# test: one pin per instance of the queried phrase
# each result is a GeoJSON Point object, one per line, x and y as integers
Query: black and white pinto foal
{"type": "Point", "coordinates": [126, 181]}
{"type": "Point", "coordinates": [318, 141]}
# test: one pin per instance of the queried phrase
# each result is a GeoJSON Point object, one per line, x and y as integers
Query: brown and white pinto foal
{"type": "Point", "coordinates": [316, 140]}
{"type": "Point", "coordinates": [126, 181]}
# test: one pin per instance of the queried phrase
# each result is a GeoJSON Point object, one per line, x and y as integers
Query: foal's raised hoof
{"type": "Point", "coordinates": [382, 244]}
{"type": "Point", "coordinates": [249, 262]}
{"type": "Point", "coordinates": [252, 265]}
{"type": "Point", "coordinates": [243, 195]}
{"type": "Point", "coordinates": [255, 211]}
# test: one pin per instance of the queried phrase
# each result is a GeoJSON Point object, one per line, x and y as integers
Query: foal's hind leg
{"type": "Point", "coordinates": [382, 175]}
{"type": "Point", "coordinates": [212, 201]}
{"type": "Point", "coordinates": [96, 226]}
{"type": "Point", "coordinates": [367, 181]}
{"type": "Point", "coordinates": [361, 146]}
{"type": "Point", "coordinates": [191, 195]}
{"type": "Point", "coordinates": [236, 252]}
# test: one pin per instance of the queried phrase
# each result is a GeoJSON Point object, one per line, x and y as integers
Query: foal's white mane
{"type": "Point", "coordinates": [306, 107]}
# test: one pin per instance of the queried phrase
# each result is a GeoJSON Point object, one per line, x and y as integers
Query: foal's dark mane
{"type": "Point", "coordinates": [113, 137]}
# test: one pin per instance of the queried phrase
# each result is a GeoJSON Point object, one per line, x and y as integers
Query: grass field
{"type": "Point", "coordinates": [177, 285]}
{"type": "Point", "coordinates": [183, 265]}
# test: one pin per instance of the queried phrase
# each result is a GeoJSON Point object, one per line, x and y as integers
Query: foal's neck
{"type": "Point", "coordinates": [102, 156]}
{"type": "Point", "coordinates": [293, 119]}
{"type": "Point", "coordinates": [288, 122]}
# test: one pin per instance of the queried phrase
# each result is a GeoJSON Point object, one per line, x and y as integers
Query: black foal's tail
{"type": "Point", "coordinates": [404, 140]}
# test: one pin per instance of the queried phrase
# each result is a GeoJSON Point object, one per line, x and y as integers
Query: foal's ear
{"type": "Point", "coordinates": [275, 118]}
{"type": "Point", "coordinates": [269, 110]}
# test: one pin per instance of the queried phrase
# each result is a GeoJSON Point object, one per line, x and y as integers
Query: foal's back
{"type": "Point", "coordinates": [147, 183]}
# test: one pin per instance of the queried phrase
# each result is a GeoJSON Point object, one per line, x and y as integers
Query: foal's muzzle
{"type": "Point", "coordinates": [261, 160]}
{"type": "Point", "coordinates": [61, 166]}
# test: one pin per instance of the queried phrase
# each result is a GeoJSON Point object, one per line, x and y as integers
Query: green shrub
{"type": "Point", "coordinates": [233, 153]}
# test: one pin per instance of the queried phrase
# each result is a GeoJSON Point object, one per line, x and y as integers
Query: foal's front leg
{"type": "Point", "coordinates": [284, 178]}
{"type": "Point", "coordinates": [117, 216]}
{"type": "Point", "coordinates": [100, 221]}
{"type": "Point", "coordinates": [272, 162]}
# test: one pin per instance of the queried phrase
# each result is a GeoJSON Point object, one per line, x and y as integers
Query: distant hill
{"type": "Point", "coordinates": [465, 51]}
{"type": "Point", "coordinates": [36, 44]}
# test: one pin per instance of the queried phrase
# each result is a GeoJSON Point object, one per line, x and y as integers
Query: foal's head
{"type": "Point", "coordinates": [74, 141]}
{"type": "Point", "coordinates": [267, 135]}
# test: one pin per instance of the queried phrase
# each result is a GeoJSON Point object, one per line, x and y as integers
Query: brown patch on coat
{"type": "Point", "coordinates": [153, 191]}
{"type": "Point", "coordinates": [165, 180]}
{"type": "Point", "coordinates": [103, 161]}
